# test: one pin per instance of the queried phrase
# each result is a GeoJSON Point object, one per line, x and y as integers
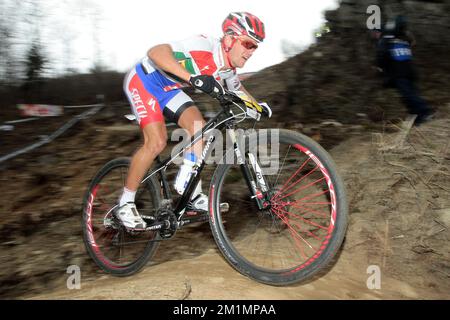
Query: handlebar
{"type": "Point", "coordinates": [229, 97]}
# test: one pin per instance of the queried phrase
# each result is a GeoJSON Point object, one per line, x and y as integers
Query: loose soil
{"type": "Point", "coordinates": [399, 222]}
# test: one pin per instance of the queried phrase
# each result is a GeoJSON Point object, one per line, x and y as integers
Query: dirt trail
{"type": "Point", "coordinates": [399, 221]}
{"type": "Point", "coordinates": [210, 277]}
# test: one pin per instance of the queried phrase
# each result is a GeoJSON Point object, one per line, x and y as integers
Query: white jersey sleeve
{"type": "Point", "coordinates": [233, 83]}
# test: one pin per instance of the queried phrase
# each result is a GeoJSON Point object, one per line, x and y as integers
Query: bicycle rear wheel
{"type": "Point", "coordinates": [304, 223]}
{"type": "Point", "coordinates": [112, 248]}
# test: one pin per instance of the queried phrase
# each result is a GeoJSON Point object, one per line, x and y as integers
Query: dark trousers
{"type": "Point", "coordinates": [411, 96]}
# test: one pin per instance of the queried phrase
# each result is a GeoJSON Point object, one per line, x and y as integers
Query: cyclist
{"type": "Point", "coordinates": [153, 90]}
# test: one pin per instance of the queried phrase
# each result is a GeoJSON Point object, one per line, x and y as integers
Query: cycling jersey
{"type": "Point", "coordinates": [153, 93]}
{"type": "Point", "coordinates": [200, 55]}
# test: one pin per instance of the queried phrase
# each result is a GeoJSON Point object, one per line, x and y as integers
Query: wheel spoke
{"type": "Point", "coordinates": [306, 220]}
{"type": "Point", "coordinates": [279, 193]}
{"type": "Point", "coordinates": [274, 244]}
{"type": "Point", "coordinates": [285, 185]}
{"type": "Point", "coordinates": [115, 248]}
{"type": "Point", "coordinates": [292, 230]}
{"type": "Point", "coordinates": [282, 166]}
{"type": "Point", "coordinates": [320, 214]}
{"type": "Point", "coordinates": [302, 200]}
{"type": "Point", "coordinates": [299, 189]}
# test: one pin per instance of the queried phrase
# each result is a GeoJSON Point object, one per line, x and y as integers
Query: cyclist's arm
{"type": "Point", "coordinates": [263, 106]}
{"type": "Point", "coordinates": [242, 88]}
{"type": "Point", "coordinates": [162, 57]}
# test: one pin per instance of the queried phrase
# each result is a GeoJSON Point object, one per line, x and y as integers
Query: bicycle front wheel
{"type": "Point", "coordinates": [112, 248]}
{"type": "Point", "coordinates": [303, 223]}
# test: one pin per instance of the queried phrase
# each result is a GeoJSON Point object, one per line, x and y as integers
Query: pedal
{"type": "Point", "coordinates": [108, 223]}
{"type": "Point", "coordinates": [152, 218]}
{"type": "Point", "coordinates": [224, 207]}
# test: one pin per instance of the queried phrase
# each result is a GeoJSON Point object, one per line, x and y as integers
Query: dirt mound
{"type": "Point", "coordinates": [399, 203]}
{"type": "Point", "coordinates": [336, 77]}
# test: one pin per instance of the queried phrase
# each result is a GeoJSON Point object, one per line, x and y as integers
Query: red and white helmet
{"type": "Point", "coordinates": [244, 23]}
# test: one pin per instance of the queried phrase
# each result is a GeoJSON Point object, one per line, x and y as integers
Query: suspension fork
{"type": "Point", "coordinates": [256, 194]}
{"type": "Point", "coordinates": [258, 172]}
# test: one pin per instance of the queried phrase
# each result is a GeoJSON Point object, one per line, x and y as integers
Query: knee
{"type": "Point", "coordinates": [195, 126]}
{"type": "Point", "coordinates": [191, 120]}
{"type": "Point", "coordinates": [155, 146]}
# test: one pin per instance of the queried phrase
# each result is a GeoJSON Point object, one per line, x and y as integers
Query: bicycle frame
{"type": "Point", "coordinates": [215, 123]}
{"type": "Point", "coordinates": [304, 214]}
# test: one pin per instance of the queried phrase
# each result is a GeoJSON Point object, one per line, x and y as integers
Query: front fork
{"type": "Point", "coordinates": [257, 188]}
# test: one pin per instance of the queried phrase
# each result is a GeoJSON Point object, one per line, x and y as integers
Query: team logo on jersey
{"type": "Point", "coordinates": [140, 107]}
{"type": "Point", "coordinates": [152, 104]}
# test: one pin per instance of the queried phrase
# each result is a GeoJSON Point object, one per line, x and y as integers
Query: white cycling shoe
{"type": "Point", "coordinates": [200, 203]}
{"type": "Point", "coordinates": [130, 218]}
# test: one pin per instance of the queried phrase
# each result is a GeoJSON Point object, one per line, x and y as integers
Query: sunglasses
{"type": "Point", "coordinates": [248, 44]}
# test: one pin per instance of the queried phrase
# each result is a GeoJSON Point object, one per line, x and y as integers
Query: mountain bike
{"type": "Point", "coordinates": [277, 206]}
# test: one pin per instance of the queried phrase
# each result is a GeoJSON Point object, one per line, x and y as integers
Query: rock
{"type": "Point", "coordinates": [356, 127]}
{"type": "Point", "coordinates": [311, 130]}
{"type": "Point", "coordinates": [12, 243]}
{"type": "Point", "coordinates": [296, 126]}
{"type": "Point", "coordinates": [317, 54]}
{"type": "Point", "coordinates": [331, 123]}
{"type": "Point", "coordinates": [66, 188]}
{"type": "Point", "coordinates": [444, 216]}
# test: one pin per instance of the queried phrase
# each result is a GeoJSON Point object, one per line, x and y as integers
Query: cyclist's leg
{"type": "Point", "coordinates": [155, 140]}
{"type": "Point", "coordinates": [145, 103]}
{"type": "Point", "coordinates": [192, 121]}
{"type": "Point", "coordinates": [182, 110]}
{"type": "Point", "coordinates": [145, 97]}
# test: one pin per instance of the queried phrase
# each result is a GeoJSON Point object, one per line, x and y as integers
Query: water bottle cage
{"type": "Point", "coordinates": [183, 177]}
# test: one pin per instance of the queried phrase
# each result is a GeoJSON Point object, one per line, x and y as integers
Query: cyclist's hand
{"type": "Point", "coordinates": [207, 84]}
{"type": "Point", "coordinates": [260, 107]}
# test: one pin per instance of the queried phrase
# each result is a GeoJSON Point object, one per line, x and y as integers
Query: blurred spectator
{"type": "Point", "coordinates": [394, 60]}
